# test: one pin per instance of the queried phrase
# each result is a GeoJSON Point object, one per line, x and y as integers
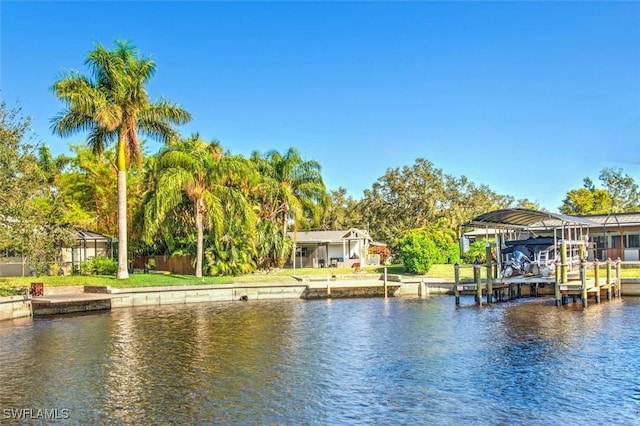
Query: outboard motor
{"type": "Point", "coordinates": [519, 263]}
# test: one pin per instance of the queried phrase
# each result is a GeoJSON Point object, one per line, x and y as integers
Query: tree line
{"type": "Point", "coordinates": [232, 214]}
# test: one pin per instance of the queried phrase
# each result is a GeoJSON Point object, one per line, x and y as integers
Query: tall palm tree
{"type": "Point", "coordinates": [199, 171]}
{"type": "Point", "coordinates": [112, 104]}
{"type": "Point", "coordinates": [294, 190]}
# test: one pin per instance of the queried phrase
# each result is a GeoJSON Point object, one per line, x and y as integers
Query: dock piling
{"type": "Point", "coordinates": [618, 278]}
{"type": "Point", "coordinates": [564, 272]}
{"type": "Point", "coordinates": [558, 295]}
{"type": "Point", "coordinates": [478, 281]}
{"type": "Point", "coordinates": [423, 290]}
{"type": "Point", "coordinates": [489, 257]}
{"type": "Point", "coordinates": [456, 274]}
{"type": "Point", "coordinates": [385, 282]}
{"type": "Point", "coordinates": [583, 281]}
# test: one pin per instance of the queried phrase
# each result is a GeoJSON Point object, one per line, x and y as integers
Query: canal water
{"type": "Point", "coordinates": [336, 362]}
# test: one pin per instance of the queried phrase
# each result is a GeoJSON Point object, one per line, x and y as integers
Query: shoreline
{"type": "Point", "coordinates": [73, 299]}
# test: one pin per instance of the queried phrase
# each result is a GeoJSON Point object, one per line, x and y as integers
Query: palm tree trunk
{"type": "Point", "coordinates": [123, 264]}
{"type": "Point", "coordinates": [282, 256]}
{"type": "Point", "coordinates": [199, 237]}
{"type": "Point", "coordinates": [121, 160]}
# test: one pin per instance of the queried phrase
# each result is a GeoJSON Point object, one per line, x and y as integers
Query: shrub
{"type": "Point", "coordinates": [418, 251]}
{"type": "Point", "coordinates": [97, 266]}
{"type": "Point", "coordinates": [453, 256]}
{"type": "Point", "coordinates": [477, 251]}
{"type": "Point", "coordinates": [384, 253]}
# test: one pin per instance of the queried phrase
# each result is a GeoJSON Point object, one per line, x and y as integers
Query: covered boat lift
{"type": "Point", "coordinates": [520, 225]}
{"type": "Point", "coordinates": [559, 246]}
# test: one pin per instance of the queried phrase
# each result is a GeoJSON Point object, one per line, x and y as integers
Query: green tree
{"type": "Point", "coordinates": [342, 212]}
{"type": "Point", "coordinates": [525, 203]}
{"type": "Point", "coordinates": [294, 192]}
{"type": "Point", "coordinates": [32, 214]}
{"type": "Point", "coordinates": [51, 166]}
{"type": "Point", "coordinates": [17, 168]}
{"type": "Point", "coordinates": [113, 105]}
{"type": "Point", "coordinates": [619, 194]}
{"type": "Point", "coordinates": [622, 189]}
{"type": "Point", "coordinates": [420, 195]}
{"type": "Point", "coordinates": [197, 171]}
{"type": "Point", "coordinates": [583, 201]}
{"type": "Point", "coordinates": [89, 186]}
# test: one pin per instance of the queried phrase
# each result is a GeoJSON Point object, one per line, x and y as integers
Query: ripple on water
{"type": "Point", "coordinates": [371, 361]}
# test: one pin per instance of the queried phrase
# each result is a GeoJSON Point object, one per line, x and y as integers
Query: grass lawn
{"type": "Point", "coordinates": [16, 285]}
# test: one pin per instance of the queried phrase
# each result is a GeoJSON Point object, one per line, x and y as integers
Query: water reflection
{"type": "Point", "coordinates": [372, 361]}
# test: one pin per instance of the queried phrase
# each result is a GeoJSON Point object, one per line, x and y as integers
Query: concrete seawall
{"type": "Point", "coordinates": [13, 307]}
{"type": "Point", "coordinates": [59, 300]}
{"type": "Point", "coordinates": [149, 296]}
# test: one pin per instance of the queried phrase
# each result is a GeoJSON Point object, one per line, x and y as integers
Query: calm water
{"type": "Point", "coordinates": [340, 362]}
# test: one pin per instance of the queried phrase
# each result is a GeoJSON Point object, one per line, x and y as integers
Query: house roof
{"type": "Point", "coordinates": [615, 219]}
{"type": "Point", "coordinates": [319, 237]}
{"type": "Point", "coordinates": [84, 235]}
{"type": "Point", "coordinates": [523, 218]}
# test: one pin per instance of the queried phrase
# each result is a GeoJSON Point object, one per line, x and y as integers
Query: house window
{"type": "Point", "coordinates": [302, 251]}
{"type": "Point", "coordinates": [633, 240]}
{"type": "Point", "coordinates": [600, 242]}
{"type": "Point", "coordinates": [616, 241]}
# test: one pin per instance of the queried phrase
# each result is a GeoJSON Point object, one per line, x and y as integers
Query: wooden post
{"type": "Point", "coordinates": [422, 292]}
{"type": "Point", "coordinates": [385, 282]}
{"type": "Point", "coordinates": [583, 280]}
{"type": "Point", "coordinates": [563, 266]}
{"type": "Point", "coordinates": [558, 295]}
{"type": "Point", "coordinates": [476, 279]}
{"type": "Point", "coordinates": [610, 283]}
{"type": "Point", "coordinates": [596, 282]}
{"type": "Point", "coordinates": [619, 277]}
{"type": "Point", "coordinates": [489, 274]}
{"type": "Point", "coordinates": [596, 273]}
{"type": "Point", "coordinates": [456, 282]}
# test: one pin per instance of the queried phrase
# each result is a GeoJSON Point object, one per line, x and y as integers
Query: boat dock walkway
{"type": "Point", "coordinates": [582, 283]}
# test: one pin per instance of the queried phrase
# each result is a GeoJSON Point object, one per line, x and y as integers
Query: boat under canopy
{"type": "Point", "coordinates": [529, 228]}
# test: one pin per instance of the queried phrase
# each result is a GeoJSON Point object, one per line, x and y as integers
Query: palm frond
{"type": "Point", "coordinates": [167, 112]}
{"type": "Point", "coordinates": [99, 139]}
{"type": "Point", "coordinates": [157, 130]}
{"type": "Point", "coordinates": [69, 122]}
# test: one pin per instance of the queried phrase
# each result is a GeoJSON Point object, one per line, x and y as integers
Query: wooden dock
{"type": "Point", "coordinates": [564, 285]}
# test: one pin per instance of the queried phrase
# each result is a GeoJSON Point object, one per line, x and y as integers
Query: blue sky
{"type": "Point", "coordinates": [526, 97]}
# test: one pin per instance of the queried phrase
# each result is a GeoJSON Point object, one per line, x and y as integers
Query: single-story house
{"type": "Point", "coordinates": [86, 245]}
{"type": "Point", "coordinates": [613, 236]}
{"type": "Point", "coordinates": [317, 249]}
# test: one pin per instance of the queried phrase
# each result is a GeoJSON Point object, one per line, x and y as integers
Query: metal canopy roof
{"type": "Point", "coordinates": [523, 218]}
{"type": "Point", "coordinates": [84, 235]}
